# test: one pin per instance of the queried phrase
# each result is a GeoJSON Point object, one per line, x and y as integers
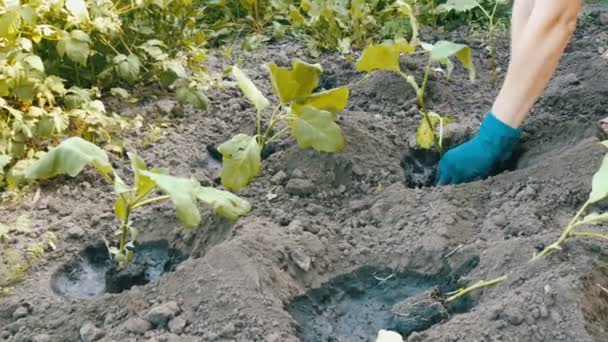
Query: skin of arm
{"type": "Point", "coordinates": [537, 47]}
{"type": "Point", "coordinates": [521, 11]}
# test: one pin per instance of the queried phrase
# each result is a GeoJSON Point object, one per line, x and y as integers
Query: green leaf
{"type": "Point", "coordinates": [295, 83]}
{"type": "Point", "coordinates": [594, 219]}
{"type": "Point", "coordinates": [10, 24]}
{"type": "Point", "coordinates": [142, 183]}
{"type": "Point", "coordinates": [34, 62]}
{"type": "Point", "coordinates": [383, 57]}
{"type": "Point", "coordinates": [444, 49]}
{"type": "Point", "coordinates": [76, 46]}
{"type": "Point", "coordinates": [241, 161]}
{"type": "Point", "coordinates": [425, 135]}
{"type": "Point", "coordinates": [599, 184]}
{"type": "Point", "coordinates": [316, 128]}
{"type": "Point", "coordinates": [127, 67]}
{"type": "Point", "coordinates": [4, 161]}
{"type": "Point", "coordinates": [78, 8]}
{"type": "Point", "coordinates": [120, 92]}
{"type": "Point", "coordinates": [334, 100]}
{"type": "Point", "coordinates": [250, 90]}
{"type": "Point", "coordinates": [183, 193]}
{"type": "Point", "coordinates": [17, 175]}
{"type": "Point", "coordinates": [193, 96]}
{"type": "Point", "coordinates": [224, 203]}
{"type": "Point", "coordinates": [70, 157]}
{"type": "Point", "coordinates": [458, 5]}
{"type": "Point", "coordinates": [120, 208]}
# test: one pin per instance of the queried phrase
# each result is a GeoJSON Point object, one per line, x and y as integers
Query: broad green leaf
{"type": "Point", "coordinates": [34, 62]}
{"type": "Point", "coordinates": [241, 161]}
{"type": "Point", "coordinates": [76, 46]}
{"type": "Point", "coordinates": [183, 194]}
{"type": "Point", "coordinates": [250, 90]}
{"type": "Point", "coordinates": [296, 83]}
{"type": "Point", "coordinates": [383, 57]}
{"type": "Point", "coordinates": [142, 183]}
{"type": "Point", "coordinates": [594, 219]}
{"type": "Point", "coordinates": [127, 67]}
{"type": "Point", "coordinates": [224, 203]}
{"type": "Point", "coordinates": [444, 49]}
{"type": "Point", "coordinates": [458, 5]}
{"type": "Point", "coordinates": [334, 100]}
{"type": "Point", "coordinates": [425, 134]}
{"type": "Point", "coordinates": [599, 187]}
{"type": "Point", "coordinates": [193, 96]}
{"type": "Point", "coordinates": [317, 129]}
{"type": "Point", "coordinates": [78, 8]}
{"type": "Point", "coordinates": [120, 92]}
{"type": "Point", "coordinates": [10, 24]}
{"type": "Point", "coordinates": [120, 208]}
{"type": "Point", "coordinates": [70, 157]}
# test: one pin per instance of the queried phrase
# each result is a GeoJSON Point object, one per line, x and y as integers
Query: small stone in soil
{"type": "Point", "coordinates": [177, 325]}
{"type": "Point", "coordinates": [160, 315]}
{"type": "Point", "coordinates": [89, 332]}
{"type": "Point", "coordinates": [300, 187]}
{"type": "Point", "coordinates": [279, 178]}
{"type": "Point", "coordinates": [137, 325]}
{"type": "Point", "coordinates": [21, 312]}
{"type": "Point", "coordinates": [302, 260]}
{"type": "Point", "coordinates": [42, 338]}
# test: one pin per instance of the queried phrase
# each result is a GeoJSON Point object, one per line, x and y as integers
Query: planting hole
{"type": "Point", "coordinates": [420, 166]}
{"type": "Point", "coordinates": [93, 273]}
{"type": "Point", "coordinates": [355, 306]}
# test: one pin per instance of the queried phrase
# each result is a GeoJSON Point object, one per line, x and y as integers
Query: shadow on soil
{"type": "Point", "coordinates": [93, 273]}
{"type": "Point", "coordinates": [355, 306]}
{"type": "Point", "coordinates": [595, 302]}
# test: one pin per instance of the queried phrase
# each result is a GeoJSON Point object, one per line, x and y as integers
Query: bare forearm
{"type": "Point", "coordinates": [535, 58]}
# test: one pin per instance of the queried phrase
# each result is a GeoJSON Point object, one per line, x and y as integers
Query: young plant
{"type": "Point", "coordinates": [386, 57]}
{"type": "Point", "coordinates": [311, 119]}
{"type": "Point", "coordinates": [72, 155]}
{"type": "Point", "coordinates": [488, 12]}
{"type": "Point", "coordinates": [599, 193]}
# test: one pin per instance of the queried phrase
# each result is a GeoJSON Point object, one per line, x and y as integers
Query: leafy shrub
{"type": "Point", "coordinates": [58, 58]}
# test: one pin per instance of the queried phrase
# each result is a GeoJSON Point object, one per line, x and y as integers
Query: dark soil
{"type": "Point", "coordinates": [93, 273]}
{"type": "Point", "coordinates": [239, 279]}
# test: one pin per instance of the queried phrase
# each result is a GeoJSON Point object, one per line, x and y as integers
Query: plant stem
{"type": "Point", "coordinates": [590, 234]}
{"type": "Point", "coordinates": [123, 232]}
{"type": "Point", "coordinates": [150, 201]}
{"type": "Point", "coordinates": [481, 284]}
{"type": "Point", "coordinates": [277, 135]}
{"type": "Point", "coordinates": [565, 235]}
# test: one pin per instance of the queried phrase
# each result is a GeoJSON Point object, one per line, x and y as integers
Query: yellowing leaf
{"type": "Point", "coordinates": [443, 50]}
{"type": "Point", "coordinates": [224, 203]}
{"type": "Point", "coordinates": [241, 161]}
{"type": "Point", "coordinates": [383, 57]}
{"type": "Point", "coordinates": [250, 90]}
{"type": "Point", "coordinates": [120, 208]}
{"type": "Point", "coordinates": [317, 129]}
{"type": "Point", "coordinates": [599, 187]}
{"type": "Point", "coordinates": [10, 24]}
{"type": "Point", "coordinates": [70, 157]}
{"type": "Point", "coordinates": [183, 194]}
{"type": "Point", "coordinates": [143, 184]}
{"type": "Point", "coordinates": [425, 134]}
{"type": "Point", "coordinates": [296, 83]}
{"type": "Point", "coordinates": [334, 100]}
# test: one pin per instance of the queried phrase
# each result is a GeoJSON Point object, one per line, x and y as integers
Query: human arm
{"type": "Point", "coordinates": [539, 39]}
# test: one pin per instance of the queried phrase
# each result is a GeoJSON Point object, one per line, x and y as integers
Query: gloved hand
{"type": "Point", "coordinates": [476, 158]}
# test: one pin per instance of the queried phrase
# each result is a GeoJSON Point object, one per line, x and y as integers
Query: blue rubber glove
{"type": "Point", "coordinates": [476, 158]}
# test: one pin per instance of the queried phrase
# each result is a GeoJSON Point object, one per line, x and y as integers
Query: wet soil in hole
{"type": "Point", "coordinates": [93, 273]}
{"type": "Point", "coordinates": [355, 306]}
{"type": "Point", "coordinates": [420, 166]}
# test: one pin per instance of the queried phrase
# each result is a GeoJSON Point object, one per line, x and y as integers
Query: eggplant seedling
{"type": "Point", "coordinates": [386, 56]}
{"type": "Point", "coordinates": [489, 14]}
{"type": "Point", "coordinates": [73, 154]}
{"type": "Point", "coordinates": [311, 119]}
{"type": "Point", "coordinates": [599, 193]}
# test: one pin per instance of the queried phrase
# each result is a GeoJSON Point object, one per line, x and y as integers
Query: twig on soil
{"type": "Point", "coordinates": [454, 251]}
{"type": "Point", "coordinates": [603, 288]}
{"type": "Point", "coordinates": [383, 280]}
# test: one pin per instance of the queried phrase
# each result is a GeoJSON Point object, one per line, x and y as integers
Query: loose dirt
{"type": "Point", "coordinates": [321, 220]}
